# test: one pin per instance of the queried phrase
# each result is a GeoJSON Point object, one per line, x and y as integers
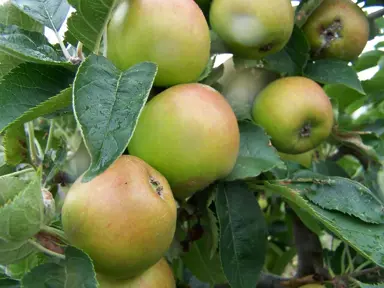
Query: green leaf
{"type": "Point", "coordinates": [11, 15]}
{"type": "Point", "coordinates": [243, 234]}
{"type": "Point", "coordinates": [15, 145]}
{"type": "Point", "coordinates": [87, 24]}
{"type": "Point", "coordinates": [367, 60]}
{"type": "Point", "coordinates": [9, 283]}
{"type": "Point", "coordinates": [12, 252]}
{"type": "Point", "coordinates": [53, 104]}
{"type": "Point", "coordinates": [50, 13]}
{"type": "Point", "coordinates": [341, 194]}
{"type": "Point", "coordinates": [29, 46]}
{"type": "Point", "coordinates": [28, 86]}
{"type": "Point", "coordinates": [107, 104]}
{"type": "Point", "coordinates": [327, 71]}
{"type": "Point", "coordinates": [329, 168]}
{"type": "Point", "coordinates": [22, 209]}
{"type": "Point", "coordinates": [365, 238]}
{"type": "Point", "coordinates": [7, 64]}
{"type": "Point", "coordinates": [20, 268]}
{"type": "Point", "coordinates": [75, 271]}
{"type": "Point", "coordinates": [205, 267]}
{"type": "Point", "coordinates": [293, 58]}
{"type": "Point", "coordinates": [256, 155]}
{"type": "Point", "coordinates": [344, 95]}
{"type": "Point", "coordinates": [364, 285]}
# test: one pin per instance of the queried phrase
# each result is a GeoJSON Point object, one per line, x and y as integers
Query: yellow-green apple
{"type": "Point", "coordinates": [337, 29]}
{"type": "Point", "coordinates": [241, 85]}
{"type": "Point", "coordinates": [124, 219]}
{"type": "Point", "coordinates": [173, 34]}
{"type": "Point", "coordinates": [253, 29]}
{"type": "Point", "coordinates": [190, 134]}
{"type": "Point", "coordinates": [312, 285]}
{"type": "Point", "coordinates": [304, 159]}
{"type": "Point", "coordinates": [295, 112]}
{"type": "Point", "coordinates": [159, 275]}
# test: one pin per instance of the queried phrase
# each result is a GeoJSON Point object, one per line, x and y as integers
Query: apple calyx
{"type": "Point", "coordinates": [156, 186]}
{"type": "Point", "coordinates": [266, 48]}
{"type": "Point", "coordinates": [305, 131]}
{"type": "Point", "coordinates": [329, 34]}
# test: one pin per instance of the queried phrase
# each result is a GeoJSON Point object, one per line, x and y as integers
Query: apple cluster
{"type": "Point", "coordinates": [187, 136]}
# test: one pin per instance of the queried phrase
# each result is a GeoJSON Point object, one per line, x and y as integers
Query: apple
{"type": "Point", "coordinates": [312, 285]}
{"type": "Point", "coordinates": [337, 29]}
{"type": "Point", "coordinates": [190, 134]}
{"type": "Point", "coordinates": [159, 275]}
{"type": "Point", "coordinates": [253, 29]}
{"type": "Point", "coordinates": [304, 159]}
{"type": "Point", "coordinates": [124, 219]}
{"type": "Point", "coordinates": [173, 34]}
{"type": "Point", "coordinates": [240, 86]}
{"type": "Point", "coordinates": [295, 112]}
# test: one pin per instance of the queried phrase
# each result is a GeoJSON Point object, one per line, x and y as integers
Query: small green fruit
{"type": "Point", "coordinates": [124, 219]}
{"type": "Point", "coordinates": [190, 134]}
{"type": "Point", "coordinates": [241, 86]}
{"type": "Point", "coordinates": [295, 112]}
{"type": "Point", "coordinates": [304, 159]}
{"type": "Point", "coordinates": [173, 34]}
{"type": "Point", "coordinates": [159, 275]}
{"type": "Point", "coordinates": [337, 29]}
{"type": "Point", "coordinates": [253, 28]}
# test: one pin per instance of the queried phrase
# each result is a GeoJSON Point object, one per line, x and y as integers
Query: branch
{"type": "Point", "coordinates": [345, 150]}
{"type": "Point", "coordinates": [376, 14]}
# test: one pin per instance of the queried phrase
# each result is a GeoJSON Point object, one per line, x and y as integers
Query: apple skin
{"type": "Point", "coordinates": [117, 216]}
{"type": "Point", "coordinates": [253, 29]}
{"type": "Point", "coordinates": [190, 134]}
{"type": "Point", "coordinates": [353, 33]}
{"type": "Point", "coordinates": [173, 34]}
{"type": "Point", "coordinates": [295, 112]}
{"type": "Point", "coordinates": [313, 285]}
{"type": "Point", "coordinates": [159, 275]}
{"type": "Point", "coordinates": [304, 159]}
{"type": "Point", "coordinates": [240, 86]}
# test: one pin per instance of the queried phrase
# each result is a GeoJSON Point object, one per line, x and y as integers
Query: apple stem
{"type": "Point", "coordinates": [45, 250]}
{"type": "Point", "coordinates": [54, 232]}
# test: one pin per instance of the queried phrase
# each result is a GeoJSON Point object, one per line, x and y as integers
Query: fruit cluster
{"type": "Point", "coordinates": [187, 136]}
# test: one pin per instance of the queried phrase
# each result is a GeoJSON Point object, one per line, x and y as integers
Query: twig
{"type": "Point", "coordinates": [376, 14]}
{"type": "Point", "coordinates": [45, 250]}
{"type": "Point", "coordinates": [364, 272]}
{"type": "Point", "coordinates": [54, 232]}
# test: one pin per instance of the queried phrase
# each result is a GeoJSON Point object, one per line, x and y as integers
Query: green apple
{"type": "Point", "coordinates": [295, 112]}
{"type": "Point", "coordinates": [304, 159]}
{"type": "Point", "coordinates": [241, 85]}
{"type": "Point", "coordinates": [124, 219]}
{"type": "Point", "coordinates": [337, 29]}
{"type": "Point", "coordinates": [190, 134]}
{"type": "Point", "coordinates": [172, 34]}
{"type": "Point", "coordinates": [312, 285]}
{"type": "Point", "coordinates": [159, 275]}
{"type": "Point", "coordinates": [253, 29]}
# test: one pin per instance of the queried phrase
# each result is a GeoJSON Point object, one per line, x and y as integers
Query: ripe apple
{"type": "Point", "coordinates": [241, 85]}
{"type": "Point", "coordinates": [253, 29]}
{"type": "Point", "coordinates": [159, 275]}
{"type": "Point", "coordinates": [125, 218]}
{"type": "Point", "coordinates": [190, 134]}
{"type": "Point", "coordinates": [304, 159]}
{"type": "Point", "coordinates": [337, 29]}
{"type": "Point", "coordinates": [173, 34]}
{"type": "Point", "coordinates": [295, 112]}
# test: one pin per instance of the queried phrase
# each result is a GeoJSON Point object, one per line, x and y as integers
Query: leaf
{"type": "Point", "coordinates": [7, 64]}
{"type": "Point", "coordinates": [18, 269]}
{"type": "Point", "coordinates": [15, 145]}
{"type": "Point", "coordinates": [53, 104]}
{"type": "Point", "coordinates": [28, 86]}
{"type": "Point", "coordinates": [22, 209]}
{"type": "Point", "coordinates": [365, 238]}
{"type": "Point", "coordinates": [367, 60]}
{"type": "Point", "coordinates": [9, 283]}
{"type": "Point", "coordinates": [12, 252]}
{"type": "Point", "coordinates": [293, 58]}
{"type": "Point", "coordinates": [364, 285]}
{"type": "Point", "coordinates": [75, 271]}
{"type": "Point", "coordinates": [11, 15]}
{"type": "Point", "coordinates": [29, 46]}
{"type": "Point", "coordinates": [243, 234]}
{"type": "Point", "coordinates": [341, 194]}
{"type": "Point", "coordinates": [328, 71]}
{"type": "Point", "coordinates": [50, 13]}
{"type": "Point", "coordinates": [256, 155]}
{"type": "Point", "coordinates": [107, 104]}
{"type": "Point", "coordinates": [87, 24]}
{"type": "Point", "coordinates": [304, 10]}
{"type": "Point", "coordinates": [344, 95]}
{"type": "Point", "coordinates": [202, 265]}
